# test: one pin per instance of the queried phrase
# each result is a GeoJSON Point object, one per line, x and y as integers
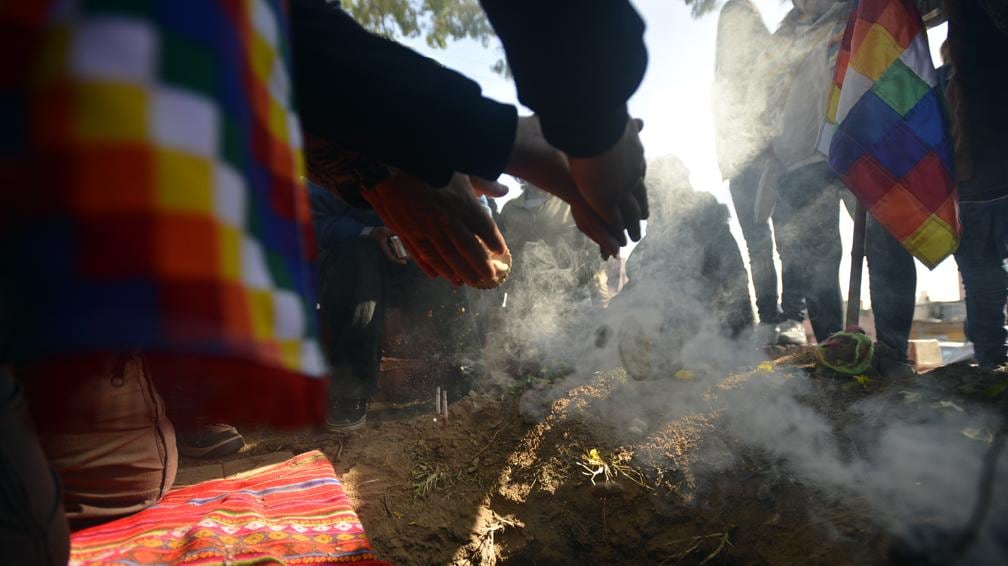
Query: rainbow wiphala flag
{"type": "Point", "coordinates": [886, 132]}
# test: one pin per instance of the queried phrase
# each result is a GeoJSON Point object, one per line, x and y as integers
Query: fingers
{"type": "Point", "coordinates": [434, 264]}
{"type": "Point", "coordinates": [486, 187]}
{"type": "Point", "coordinates": [483, 226]}
{"type": "Point", "coordinates": [592, 226]}
{"type": "Point", "coordinates": [473, 258]}
{"type": "Point", "coordinates": [640, 193]}
{"type": "Point", "coordinates": [422, 254]}
{"type": "Point", "coordinates": [632, 216]}
{"type": "Point", "coordinates": [455, 259]}
{"type": "Point", "coordinates": [617, 227]}
{"type": "Point", "coordinates": [611, 218]}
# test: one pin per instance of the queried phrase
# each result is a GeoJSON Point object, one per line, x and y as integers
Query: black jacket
{"type": "Point", "coordinates": [575, 64]}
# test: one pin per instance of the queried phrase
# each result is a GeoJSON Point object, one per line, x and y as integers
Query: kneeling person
{"type": "Point", "coordinates": [355, 252]}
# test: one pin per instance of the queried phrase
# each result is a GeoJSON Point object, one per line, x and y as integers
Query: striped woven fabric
{"type": "Point", "coordinates": [886, 133]}
{"type": "Point", "coordinates": [295, 512]}
{"type": "Point", "coordinates": [153, 199]}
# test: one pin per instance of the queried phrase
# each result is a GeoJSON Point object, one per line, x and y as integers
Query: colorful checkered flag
{"type": "Point", "coordinates": [886, 132]}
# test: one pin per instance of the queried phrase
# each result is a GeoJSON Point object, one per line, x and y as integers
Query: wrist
{"type": "Point", "coordinates": [580, 138]}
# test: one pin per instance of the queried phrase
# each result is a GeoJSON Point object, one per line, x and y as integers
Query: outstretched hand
{"type": "Point", "coordinates": [538, 162]}
{"type": "Point", "coordinates": [612, 183]}
{"type": "Point", "coordinates": [441, 228]}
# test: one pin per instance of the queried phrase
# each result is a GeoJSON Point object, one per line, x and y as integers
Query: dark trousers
{"type": "Point", "coordinates": [357, 286]}
{"type": "Point", "coordinates": [893, 282]}
{"type": "Point", "coordinates": [806, 219]}
{"type": "Point", "coordinates": [759, 243]}
{"type": "Point", "coordinates": [33, 528]}
{"type": "Point", "coordinates": [353, 291]}
{"type": "Point", "coordinates": [981, 256]}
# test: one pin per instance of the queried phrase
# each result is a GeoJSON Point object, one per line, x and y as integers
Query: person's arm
{"type": "Point", "coordinates": [330, 218]}
{"type": "Point", "coordinates": [575, 63]}
{"type": "Point", "coordinates": [371, 95]}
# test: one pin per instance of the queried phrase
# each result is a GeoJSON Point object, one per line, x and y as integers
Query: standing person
{"type": "Point", "coordinates": [809, 192]}
{"type": "Point", "coordinates": [741, 145]}
{"type": "Point", "coordinates": [792, 81]}
{"type": "Point", "coordinates": [977, 41]}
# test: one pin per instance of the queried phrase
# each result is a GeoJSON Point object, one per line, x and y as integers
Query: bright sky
{"type": "Point", "coordinates": [674, 102]}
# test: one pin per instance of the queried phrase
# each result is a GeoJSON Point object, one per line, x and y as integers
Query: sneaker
{"type": "Point", "coordinates": [791, 333]}
{"type": "Point", "coordinates": [891, 364]}
{"type": "Point", "coordinates": [895, 369]}
{"type": "Point", "coordinates": [210, 441]}
{"type": "Point", "coordinates": [346, 415]}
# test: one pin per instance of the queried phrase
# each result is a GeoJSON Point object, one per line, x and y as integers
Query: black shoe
{"type": "Point", "coordinates": [210, 441]}
{"type": "Point", "coordinates": [346, 415]}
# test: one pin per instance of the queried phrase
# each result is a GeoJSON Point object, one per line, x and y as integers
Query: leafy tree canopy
{"type": "Point", "coordinates": [438, 21]}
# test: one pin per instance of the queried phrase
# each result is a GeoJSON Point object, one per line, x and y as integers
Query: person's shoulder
{"type": "Point", "coordinates": [319, 194]}
{"type": "Point", "coordinates": [322, 200]}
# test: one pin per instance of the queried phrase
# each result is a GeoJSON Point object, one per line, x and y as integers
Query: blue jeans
{"type": "Point", "coordinates": [807, 224]}
{"type": "Point", "coordinates": [893, 281]}
{"type": "Point", "coordinates": [981, 256]}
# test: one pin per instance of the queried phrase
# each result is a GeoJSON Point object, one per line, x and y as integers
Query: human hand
{"type": "Point", "coordinates": [612, 183]}
{"type": "Point", "coordinates": [538, 162]}
{"type": "Point", "coordinates": [444, 229]}
{"type": "Point", "coordinates": [487, 188]}
{"type": "Point", "coordinates": [381, 235]}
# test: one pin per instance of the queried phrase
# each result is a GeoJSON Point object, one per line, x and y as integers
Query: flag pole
{"type": "Point", "coordinates": [857, 259]}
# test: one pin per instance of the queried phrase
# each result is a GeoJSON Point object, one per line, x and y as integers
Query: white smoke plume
{"type": "Point", "coordinates": [913, 457]}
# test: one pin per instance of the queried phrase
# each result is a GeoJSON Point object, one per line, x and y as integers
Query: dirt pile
{"type": "Point", "coordinates": [564, 473]}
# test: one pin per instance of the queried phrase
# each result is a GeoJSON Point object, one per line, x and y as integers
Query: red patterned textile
{"type": "Point", "coordinates": [295, 512]}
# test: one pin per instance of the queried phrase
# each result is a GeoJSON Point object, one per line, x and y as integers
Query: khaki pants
{"type": "Point", "coordinates": [107, 436]}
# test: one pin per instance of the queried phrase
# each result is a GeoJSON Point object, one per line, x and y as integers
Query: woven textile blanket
{"type": "Point", "coordinates": [295, 512]}
{"type": "Point", "coordinates": [152, 200]}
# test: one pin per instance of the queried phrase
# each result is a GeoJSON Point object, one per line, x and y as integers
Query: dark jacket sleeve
{"type": "Point", "coordinates": [331, 218]}
{"type": "Point", "coordinates": [367, 94]}
{"type": "Point", "coordinates": [576, 63]}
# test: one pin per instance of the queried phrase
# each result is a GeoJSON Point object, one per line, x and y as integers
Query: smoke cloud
{"type": "Point", "coordinates": [911, 456]}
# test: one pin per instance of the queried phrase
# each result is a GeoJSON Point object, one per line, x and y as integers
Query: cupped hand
{"type": "Point", "coordinates": [442, 228]}
{"type": "Point", "coordinates": [612, 183]}
{"type": "Point", "coordinates": [536, 161]}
